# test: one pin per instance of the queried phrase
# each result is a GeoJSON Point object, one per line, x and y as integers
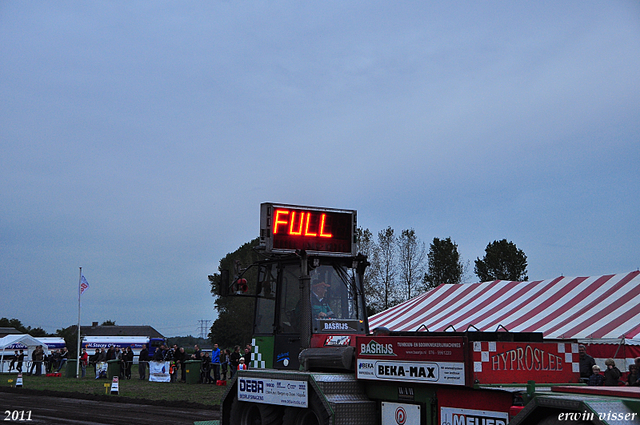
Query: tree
{"type": "Point", "coordinates": [386, 263]}
{"type": "Point", "coordinates": [70, 336]}
{"type": "Point", "coordinates": [502, 261]}
{"type": "Point", "coordinates": [108, 323]}
{"type": "Point", "coordinates": [444, 265]}
{"type": "Point", "coordinates": [411, 253]}
{"type": "Point", "coordinates": [367, 246]}
{"type": "Point", "coordinates": [235, 313]}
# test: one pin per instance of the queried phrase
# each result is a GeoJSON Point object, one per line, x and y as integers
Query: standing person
{"type": "Point", "coordinates": [586, 363]}
{"type": "Point", "coordinates": [178, 357]}
{"type": "Point", "coordinates": [596, 379]}
{"type": "Point", "coordinates": [247, 355]}
{"type": "Point", "coordinates": [39, 358]}
{"type": "Point", "coordinates": [197, 355]}
{"type": "Point", "coordinates": [20, 360]}
{"type": "Point", "coordinates": [84, 361]}
{"type": "Point", "coordinates": [611, 374]}
{"type": "Point", "coordinates": [93, 359]}
{"type": "Point", "coordinates": [62, 360]}
{"type": "Point", "coordinates": [632, 377]}
{"type": "Point", "coordinates": [111, 353]}
{"type": "Point", "coordinates": [205, 368]}
{"type": "Point", "coordinates": [242, 365]}
{"type": "Point", "coordinates": [215, 362]}
{"type": "Point", "coordinates": [224, 364]}
{"type": "Point", "coordinates": [127, 358]}
{"type": "Point", "coordinates": [143, 358]}
{"type": "Point", "coordinates": [234, 360]}
{"type": "Point", "coordinates": [183, 370]}
{"type": "Point", "coordinates": [13, 360]}
{"type": "Point", "coordinates": [33, 361]}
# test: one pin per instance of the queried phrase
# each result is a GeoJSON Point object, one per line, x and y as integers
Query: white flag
{"type": "Point", "coordinates": [84, 285]}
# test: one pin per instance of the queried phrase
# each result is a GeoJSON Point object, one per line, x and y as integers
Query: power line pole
{"type": "Point", "coordinates": [204, 327]}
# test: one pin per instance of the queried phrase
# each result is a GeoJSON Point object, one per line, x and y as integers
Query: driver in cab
{"type": "Point", "coordinates": [319, 306]}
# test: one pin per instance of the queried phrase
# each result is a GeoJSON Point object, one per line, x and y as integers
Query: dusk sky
{"type": "Point", "coordinates": [140, 137]}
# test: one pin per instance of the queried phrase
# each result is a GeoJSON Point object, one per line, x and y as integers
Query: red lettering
{"type": "Point", "coordinates": [528, 358]}
{"type": "Point", "coordinates": [504, 360]}
{"type": "Point", "coordinates": [306, 229]}
{"type": "Point", "coordinates": [559, 363]}
{"type": "Point", "coordinates": [520, 358]}
{"type": "Point", "coordinates": [536, 356]}
{"type": "Point", "coordinates": [278, 221]}
{"type": "Point", "coordinates": [322, 233]}
{"type": "Point", "coordinates": [293, 219]}
{"type": "Point", "coordinates": [513, 358]}
{"type": "Point", "coordinates": [302, 226]}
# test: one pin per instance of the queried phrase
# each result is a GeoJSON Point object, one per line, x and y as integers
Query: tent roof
{"type": "Point", "coordinates": [24, 339]}
{"type": "Point", "coordinates": [598, 307]}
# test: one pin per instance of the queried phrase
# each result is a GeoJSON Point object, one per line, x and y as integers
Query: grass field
{"type": "Point", "coordinates": [202, 394]}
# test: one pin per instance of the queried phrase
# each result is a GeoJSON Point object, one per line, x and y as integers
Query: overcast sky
{"type": "Point", "coordinates": [139, 139]}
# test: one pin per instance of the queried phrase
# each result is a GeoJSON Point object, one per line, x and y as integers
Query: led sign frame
{"type": "Point", "coordinates": [290, 228]}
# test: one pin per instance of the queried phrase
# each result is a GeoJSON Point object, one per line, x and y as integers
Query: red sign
{"type": "Point", "coordinates": [519, 362]}
{"type": "Point", "coordinates": [412, 348]}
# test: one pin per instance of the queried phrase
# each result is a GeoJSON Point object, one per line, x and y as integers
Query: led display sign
{"type": "Point", "coordinates": [288, 228]}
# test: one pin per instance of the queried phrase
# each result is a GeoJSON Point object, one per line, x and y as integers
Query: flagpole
{"type": "Point", "coordinates": [78, 350]}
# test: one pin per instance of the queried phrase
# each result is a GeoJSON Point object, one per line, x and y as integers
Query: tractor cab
{"type": "Point", "coordinates": [306, 303]}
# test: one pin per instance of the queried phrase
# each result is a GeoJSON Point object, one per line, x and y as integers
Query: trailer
{"type": "Point", "coordinates": [90, 343]}
{"type": "Point", "coordinates": [52, 342]}
{"type": "Point", "coordinates": [315, 360]}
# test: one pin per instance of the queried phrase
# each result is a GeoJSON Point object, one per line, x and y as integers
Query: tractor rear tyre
{"type": "Point", "coordinates": [243, 413]}
{"type": "Point", "coordinates": [315, 414]}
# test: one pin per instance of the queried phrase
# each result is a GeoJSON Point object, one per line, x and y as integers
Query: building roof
{"type": "Point", "coordinates": [597, 307]}
{"type": "Point", "coordinates": [96, 330]}
{"type": "Point", "coordinates": [8, 331]}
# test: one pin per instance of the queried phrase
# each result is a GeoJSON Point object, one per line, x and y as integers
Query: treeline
{"type": "Point", "coordinates": [402, 266]}
{"type": "Point", "coordinates": [17, 324]}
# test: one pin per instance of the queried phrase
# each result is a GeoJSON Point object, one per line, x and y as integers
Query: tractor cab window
{"type": "Point", "coordinates": [335, 302]}
{"type": "Point", "coordinates": [266, 301]}
{"type": "Point", "coordinates": [289, 314]}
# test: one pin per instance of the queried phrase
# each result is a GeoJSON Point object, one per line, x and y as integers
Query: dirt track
{"type": "Point", "coordinates": [47, 409]}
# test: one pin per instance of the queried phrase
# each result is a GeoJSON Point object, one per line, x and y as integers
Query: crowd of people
{"type": "Point", "coordinates": [219, 365]}
{"type": "Point", "coordinates": [591, 374]}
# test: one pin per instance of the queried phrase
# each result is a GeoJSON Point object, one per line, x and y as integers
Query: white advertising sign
{"type": "Point", "coordinates": [273, 391]}
{"type": "Point", "coordinates": [454, 416]}
{"type": "Point", "coordinates": [450, 373]}
{"type": "Point", "coordinates": [400, 414]}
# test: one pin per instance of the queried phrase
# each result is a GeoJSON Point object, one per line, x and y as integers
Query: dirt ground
{"type": "Point", "coordinates": [46, 409]}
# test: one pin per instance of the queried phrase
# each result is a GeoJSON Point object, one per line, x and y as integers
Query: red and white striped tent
{"type": "Point", "coordinates": [602, 310]}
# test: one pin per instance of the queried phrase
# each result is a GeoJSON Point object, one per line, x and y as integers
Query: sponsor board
{"type": "Point", "coordinates": [449, 349]}
{"type": "Point", "coordinates": [518, 362]}
{"type": "Point", "coordinates": [448, 373]}
{"type": "Point", "coordinates": [400, 414]}
{"type": "Point", "coordinates": [273, 391]}
{"type": "Point", "coordinates": [454, 416]}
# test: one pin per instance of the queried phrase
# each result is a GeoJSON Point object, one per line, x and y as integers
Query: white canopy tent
{"type": "Point", "coordinates": [10, 343]}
